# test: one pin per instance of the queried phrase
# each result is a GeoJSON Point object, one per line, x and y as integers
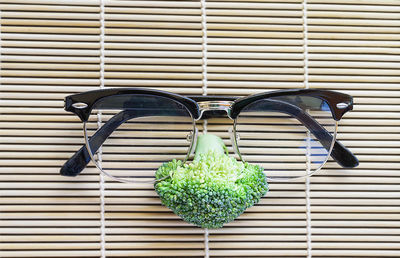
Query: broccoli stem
{"type": "Point", "coordinates": [209, 142]}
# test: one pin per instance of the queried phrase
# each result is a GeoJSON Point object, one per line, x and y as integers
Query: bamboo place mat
{"type": "Point", "coordinates": [53, 48]}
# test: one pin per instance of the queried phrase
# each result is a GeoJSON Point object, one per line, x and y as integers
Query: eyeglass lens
{"type": "Point", "coordinates": [289, 136]}
{"type": "Point", "coordinates": [145, 131]}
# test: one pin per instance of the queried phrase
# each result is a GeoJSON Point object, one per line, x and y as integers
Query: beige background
{"type": "Point", "coordinates": [50, 49]}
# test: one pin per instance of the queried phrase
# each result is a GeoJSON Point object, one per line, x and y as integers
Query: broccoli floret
{"type": "Point", "coordinates": [212, 190]}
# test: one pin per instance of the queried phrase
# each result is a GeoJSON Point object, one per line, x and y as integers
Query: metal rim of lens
{"type": "Point", "coordinates": [127, 180]}
{"type": "Point", "coordinates": [294, 178]}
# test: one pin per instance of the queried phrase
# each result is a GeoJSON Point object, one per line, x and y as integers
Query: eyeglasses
{"type": "Point", "coordinates": [291, 133]}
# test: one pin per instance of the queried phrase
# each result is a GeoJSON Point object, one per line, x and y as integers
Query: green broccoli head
{"type": "Point", "coordinates": [212, 190]}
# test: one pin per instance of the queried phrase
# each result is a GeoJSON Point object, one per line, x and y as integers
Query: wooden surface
{"type": "Point", "coordinates": [53, 48]}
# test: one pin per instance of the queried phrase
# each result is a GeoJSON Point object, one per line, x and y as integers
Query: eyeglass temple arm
{"type": "Point", "coordinates": [74, 165]}
{"type": "Point", "coordinates": [343, 156]}
{"type": "Point", "coordinates": [81, 158]}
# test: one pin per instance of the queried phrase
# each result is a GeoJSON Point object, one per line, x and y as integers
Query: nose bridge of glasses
{"type": "Point", "coordinates": [215, 105]}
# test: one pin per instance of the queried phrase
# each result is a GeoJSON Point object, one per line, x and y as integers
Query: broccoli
{"type": "Point", "coordinates": [212, 190]}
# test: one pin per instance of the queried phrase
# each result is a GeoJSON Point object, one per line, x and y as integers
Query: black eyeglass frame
{"type": "Point", "coordinates": [82, 104]}
{"type": "Point", "coordinates": [89, 98]}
